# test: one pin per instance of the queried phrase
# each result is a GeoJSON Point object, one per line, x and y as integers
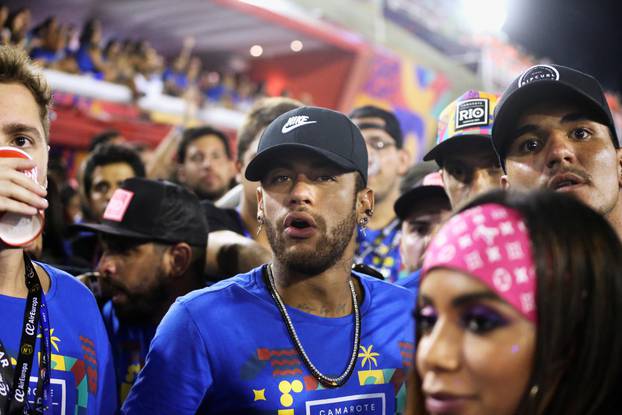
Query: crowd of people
{"type": "Point", "coordinates": [315, 267]}
{"type": "Point", "coordinates": [132, 62]}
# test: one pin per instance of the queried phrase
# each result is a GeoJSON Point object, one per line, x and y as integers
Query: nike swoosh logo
{"type": "Point", "coordinates": [288, 128]}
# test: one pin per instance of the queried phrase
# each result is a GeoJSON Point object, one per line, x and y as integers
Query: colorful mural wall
{"type": "Point", "coordinates": [415, 93]}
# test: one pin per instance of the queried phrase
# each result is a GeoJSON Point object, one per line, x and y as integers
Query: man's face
{"type": "Point", "coordinates": [418, 228]}
{"type": "Point", "coordinates": [134, 273]}
{"type": "Point", "coordinates": [310, 211]}
{"type": "Point", "coordinates": [21, 127]}
{"type": "Point", "coordinates": [468, 170]}
{"type": "Point", "coordinates": [207, 170]}
{"type": "Point", "coordinates": [106, 179]}
{"type": "Point", "coordinates": [386, 162]}
{"type": "Point", "coordinates": [560, 147]}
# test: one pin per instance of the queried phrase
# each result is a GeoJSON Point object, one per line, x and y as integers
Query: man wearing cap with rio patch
{"type": "Point", "coordinates": [553, 129]}
{"type": "Point", "coordinates": [153, 235]}
{"type": "Point", "coordinates": [303, 334]}
{"type": "Point", "coordinates": [463, 150]}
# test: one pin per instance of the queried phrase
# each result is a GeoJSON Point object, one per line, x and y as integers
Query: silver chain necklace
{"type": "Point", "coordinates": [327, 381]}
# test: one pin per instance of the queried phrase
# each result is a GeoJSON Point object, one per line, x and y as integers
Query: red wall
{"type": "Point", "coordinates": [321, 74]}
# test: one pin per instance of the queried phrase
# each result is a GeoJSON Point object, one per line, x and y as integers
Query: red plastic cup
{"type": "Point", "coordinates": [17, 229]}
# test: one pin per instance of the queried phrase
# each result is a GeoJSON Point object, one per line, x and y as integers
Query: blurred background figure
{"type": "Point", "coordinates": [378, 246]}
{"type": "Point", "coordinates": [205, 162]}
{"type": "Point", "coordinates": [107, 166]}
{"type": "Point", "coordinates": [420, 209]}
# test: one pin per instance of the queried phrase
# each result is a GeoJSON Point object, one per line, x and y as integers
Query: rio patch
{"type": "Point", "coordinates": [472, 112]}
{"type": "Point", "coordinates": [364, 404]}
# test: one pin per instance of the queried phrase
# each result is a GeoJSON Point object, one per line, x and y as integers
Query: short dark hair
{"type": "Point", "coordinates": [102, 138]}
{"type": "Point", "coordinates": [391, 123]}
{"type": "Point", "coordinates": [578, 301]}
{"type": "Point", "coordinates": [262, 113]}
{"type": "Point", "coordinates": [16, 67]}
{"type": "Point", "coordinates": [109, 153]}
{"type": "Point", "coordinates": [191, 134]}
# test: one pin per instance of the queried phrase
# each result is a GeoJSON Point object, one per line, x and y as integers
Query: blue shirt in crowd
{"type": "Point", "coordinates": [226, 350]}
{"type": "Point", "coordinates": [380, 249]}
{"type": "Point", "coordinates": [82, 378]}
{"type": "Point", "coordinates": [130, 343]}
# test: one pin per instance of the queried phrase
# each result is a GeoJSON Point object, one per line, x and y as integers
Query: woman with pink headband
{"type": "Point", "coordinates": [520, 311]}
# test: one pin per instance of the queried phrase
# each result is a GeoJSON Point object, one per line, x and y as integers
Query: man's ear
{"type": "Point", "coordinates": [505, 183]}
{"type": "Point", "coordinates": [260, 209]}
{"type": "Point", "coordinates": [238, 171]}
{"type": "Point", "coordinates": [178, 258]}
{"type": "Point", "coordinates": [365, 203]}
{"type": "Point", "coordinates": [181, 173]}
{"type": "Point", "coordinates": [404, 160]}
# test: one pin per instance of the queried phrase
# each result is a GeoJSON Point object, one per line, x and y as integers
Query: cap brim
{"type": "Point", "coordinates": [110, 230]}
{"type": "Point", "coordinates": [442, 149]}
{"type": "Point", "coordinates": [527, 95]}
{"type": "Point", "coordinates": [265, 160]}
{"type": "Point", "coordinates": [404, 204]}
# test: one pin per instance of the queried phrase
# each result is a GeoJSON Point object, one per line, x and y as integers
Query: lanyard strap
{"type": "Point", "coordinates": [14, 400]}
{"type": "Point", "coordinates": [366, 247]}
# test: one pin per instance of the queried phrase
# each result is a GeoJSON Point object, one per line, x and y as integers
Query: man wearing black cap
{"type": "Point", "coordinates": [303, 334]}
{"type": "Point", "coordinates": [420, 210]}
{"type": "Point", "coordinates": [554, 130]}
{"type": "Point", "coordinates": [378, 245]}
{"type": "Point", "coordinates": [154, 235]}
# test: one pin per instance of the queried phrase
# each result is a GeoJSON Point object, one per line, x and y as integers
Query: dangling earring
{"type": "Point", "coordinates": [259, 224]}
{"type": "Point", "coordinates": [363, 224]}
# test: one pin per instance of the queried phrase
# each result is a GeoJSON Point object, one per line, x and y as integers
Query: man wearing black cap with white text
{"type": "Point", "coordinates": [154, 236]}
{"type": "Point", "coordinates": [553, 129]}
{"type": "Point", "coordinates": [303, 334]}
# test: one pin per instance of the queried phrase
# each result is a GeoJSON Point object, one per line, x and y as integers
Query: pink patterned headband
{"type": "Point", "coordinates": [489, 242]}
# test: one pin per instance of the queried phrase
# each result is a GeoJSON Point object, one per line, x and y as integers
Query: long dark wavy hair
{"type": "Point", "coordinates": [577, 367]}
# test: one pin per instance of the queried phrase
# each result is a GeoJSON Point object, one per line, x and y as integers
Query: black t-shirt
{"type": "Point", "coordinates": [219, 219]}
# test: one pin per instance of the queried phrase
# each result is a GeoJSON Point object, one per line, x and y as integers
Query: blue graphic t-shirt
{"type": "Point", "coordinates": [226, 350]}
{"type": "Point", "coordinates": [130, 344]}
{"type": "Point", "coordinates": [82, 379]}
{"type": "Point", "coordinates": [380, 249]}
